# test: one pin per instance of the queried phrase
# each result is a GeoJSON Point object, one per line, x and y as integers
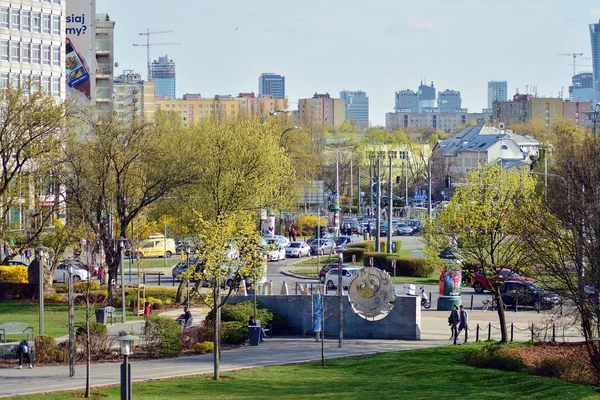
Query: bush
{"type": "Point", "coordinates": [358, 252]}
{"type": "Point", "coordinates": [99, 343]}
{"type": "Point", "coordinates": [563, 368]}
{"type": "Point", "coordinates": [494, 356]}
{"type": "Point", "coordinates": [82, 287]}
{"type": "Point", "coordinates": [415, 267]}
{"type": "Point", "coordinates": [234, 332]}
{"type": "Point", "coordinates": [47, 351]}
{"type": "Point", "coordinates": [53, 297]}
{"type": "Point", "coordinates": [241, 312]}
{"type": "Point", "coordinates": [166, 295]}
{"type": "Point", "coordinates": [191, 336]}
{"type": "Point", "coordinates": [14, 274]}
{"type": "Point", "coordinates": [163, 337]}
{"type": "Point", "coordinates": [204, 347]}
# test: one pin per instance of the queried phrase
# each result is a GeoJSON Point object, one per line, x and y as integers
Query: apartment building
{"type": "Point", "coordinates": [133, 96]}
{"type": "Point", "coordinates": [321, 110]}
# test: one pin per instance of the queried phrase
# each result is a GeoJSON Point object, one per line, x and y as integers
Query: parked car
{"type": "Point", "coordinates": [450, 254]}
{"type": "Point", "coordinates": [182, 266]}
{"type": "Point", "coordinates": [383, 229]}
{"type": "Point", "coordinates": [404, 229]}
{"type": "Point", "coordinates": [297, 249]}
{"type": "Point", "coordinates": [274, 251]}
{"type": "Point", "coordinates": [328, 267]}
{"type": "Point", "coordinates": [415, 224]}
{"type": "Point", "coordinates": [341, 242]}
{"type": "Point", "coordinates": [17, 263]}
{"type": "Point", "coordinates": [324, 236]}
{"type": "Point", "coordinates": [91, 269]}
{"type": "Point", "coordinates": [331, 279]}
{"type": "Point", "coordinates": [322, 246]}
{"type": "Point", "coordinates": [62, 273]}
{"type": "Point", "coordinates": [156, 246]}
{"type": "Point", "coordinates": [282, 240]}
{"type": "Point", "coordinates": [527, 294]}
{"type": "Point", "coordinates": [479, 282]}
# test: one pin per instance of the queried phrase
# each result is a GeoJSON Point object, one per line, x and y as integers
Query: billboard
{"type": "Point", "coordinates": [80, 50]}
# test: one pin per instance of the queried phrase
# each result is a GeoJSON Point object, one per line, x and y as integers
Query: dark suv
{"type": "Point", "coordinates": [527, 294]}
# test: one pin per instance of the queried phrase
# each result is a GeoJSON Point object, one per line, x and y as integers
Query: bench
{"type": "Point", "coordinates": [16, 328]}
{"type": "Point", "coordinates": [11, 351]}
{"type": "Point", "coordinates": [110, 313]}
{"type": "Point", "coordinates": [266, 328]}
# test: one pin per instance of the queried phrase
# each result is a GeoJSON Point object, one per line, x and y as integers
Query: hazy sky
{"type": "Point", "coordinates": [378, 46]}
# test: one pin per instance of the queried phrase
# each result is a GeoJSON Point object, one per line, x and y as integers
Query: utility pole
{"type": "Point", "coordinates": [429, 189]}
{"type": "Point", "coordinates": [147, 45]}
{"type": "Point", "coordinates": [378, 207]}
{"type": "Point", "coordinates": [390, 203]}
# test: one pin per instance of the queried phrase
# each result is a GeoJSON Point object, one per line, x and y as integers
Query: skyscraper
{"type": "Point", "coordinates": [272, 84]}
{"type": "Point", "coordinates": [449, 101]}
{"type": "Point", "coordinates": [497, 91]}
{"type": "Point", "coordinates": [357, 107]}
{"type": "Point", "coordinates": [163, 74]}
{"type": "Point", "coordinates": [582, 87]}
{"type": "Point", "coordinates": [595, 39]}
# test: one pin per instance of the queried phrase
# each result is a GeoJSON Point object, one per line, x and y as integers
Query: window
{"type": "Point", "coordinates": [36, 54]}
{"type": "Point", "coordinates": [14, 81]}
{"type": "Point", "coordinates": [56, 55]}
{"type": "Point", "coordinates": [3, 81]}
{"type": "Point", "coordinates": [35, 83]}
{"type": "Point", "coordinates": [36, 22]}
{"type": "Point", "coordinates": [46, 84]}
{"type": "Point", "coordinates": [16, 19]}
{"type": "Point", "coordinates": [26, 81]}
{"type": "Point", "coordinates": [56, 24]}
{"type": "Point", "coordinates": [46, 23]}
{"type": "Point", "coordinates": [46, 54]}
{"type": "Point", "coordinates": [16, 51]}
{"type": "Point", "coordinates": [4, 17]}
{"type": "Point", "coordinates": [4, 50]}
{"type": "Point", "coordinates": [25, 20]}
{"type": "Point", "coordinates": [55, 86]}
{"type": "Point", "coordinates": [56, 1]}
{"type": "Point", "coordinates": [25, 49]}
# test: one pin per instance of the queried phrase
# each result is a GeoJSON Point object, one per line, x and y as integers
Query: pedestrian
{"type": "Point", "coordinates": [147, 310]}
{"type": "Point", "coordinates": [28, 255]}
{"type": "Point", "coordinates": [24, 350]}
{"type": "Point", "coordinates": [101, 274]}
{"type": "Point", "coordinates": [22, 254]}
{"type": "Point", "coordinates": [464, 322]}
{"type": "Point", "coordinates": [290, 233]}
{"type": "Point", "coordinates": [294, 233]}
{"type": "Point", "coordinates": [453, 321]}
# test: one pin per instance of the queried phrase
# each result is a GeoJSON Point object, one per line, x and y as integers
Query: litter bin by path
{"type": "Point", "coordinates": [101, 316]}
{"type": "Point", "coordinates": [254, 333]}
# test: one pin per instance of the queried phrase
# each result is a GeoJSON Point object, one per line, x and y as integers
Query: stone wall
{"type": "Point", "coordinates": [403, 322]}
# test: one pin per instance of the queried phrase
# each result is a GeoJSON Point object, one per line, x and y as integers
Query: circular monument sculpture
{"type": "Point", "coordinates": [371, 293]}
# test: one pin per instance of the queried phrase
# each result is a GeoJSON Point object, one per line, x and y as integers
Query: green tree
{"type": "Point", "coordinates": [485, 220]}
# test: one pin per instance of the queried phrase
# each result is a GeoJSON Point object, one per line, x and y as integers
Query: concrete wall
{"type": "Point", "coordinates": [403, 322]}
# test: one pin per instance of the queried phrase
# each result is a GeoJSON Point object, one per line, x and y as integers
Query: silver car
{"type": "Point", "coordinates": [297, 249]}
{"type": "Point", "coordinates": [62, 274]}
{"type": "Point", "coordinates": [322, 246]}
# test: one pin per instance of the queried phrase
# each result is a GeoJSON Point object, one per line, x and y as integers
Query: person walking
{"type": "Point", "coordinates": [464, 322]}
{"type": "Point", "coordinates": [453, 321]}
{"type": "Point", "coordinates": [294, 233]}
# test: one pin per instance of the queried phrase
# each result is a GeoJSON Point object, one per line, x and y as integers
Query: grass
{"type": "Point", "coordinates": [56, 317]}
{"type": "Point", "coordinates": [434, 373]}
{"type": "Point", "coordinates": [433, 279]}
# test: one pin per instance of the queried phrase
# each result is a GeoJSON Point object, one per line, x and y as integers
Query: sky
{"type": "Point", "coordinates": [378, 46]}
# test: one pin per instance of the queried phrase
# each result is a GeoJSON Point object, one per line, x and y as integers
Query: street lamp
{"type": "Point", "coordinates": [595, 118]}
{"type": "Point", "coordinates": [41, 279]}
{"type": "Point", "coordinates": [126, 342]}
{"type": "Point", "coordinates": [121, 241]}
{"type": "Point", "coordinates": [340, 299]}
{"type": "Point", "coordinates": [71, 324]}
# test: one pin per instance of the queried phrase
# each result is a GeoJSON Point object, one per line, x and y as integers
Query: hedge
{"type": "Point", "coordinates": [14, 274]}
{"type": "Point", "coordinates": [358, 252]}
{"type": "Point", "coordinates": [415, 267]}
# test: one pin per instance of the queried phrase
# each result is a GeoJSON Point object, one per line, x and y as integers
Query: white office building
{"type": "Point", "coordinates": [497, 91]}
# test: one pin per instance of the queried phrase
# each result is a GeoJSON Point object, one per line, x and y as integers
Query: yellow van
{"type": "Point", "coordinates": [156, 246]}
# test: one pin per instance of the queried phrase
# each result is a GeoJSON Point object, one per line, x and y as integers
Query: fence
{"type": "Point", "coordinates": [545, 332]}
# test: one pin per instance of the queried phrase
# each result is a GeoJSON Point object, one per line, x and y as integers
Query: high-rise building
{"type": "Point", "coordinates": [133, 96]}
{"type": "Point", "coordinates": [447, 122]}
{"type": "Point", "coordinates": [32, 45]}
{"type": "Point", "coordinates": [271, 84]}
{"type": "Point", "coordinates": [406, 101]}
{"type": "Point", "coordinates": [449, 101]}
{"type": "Point", "coordinates": [527, 108]}
{"type": "Point", "coordinates": [576, 111]}
{"type": "Point", "coordinates": [426, 96]}
{"type": "Point", "coordinates": [595, 39]}
{"type": "Point", "coordinates": [582, 87]}
{"type": "Point", "coordinates": [162, 73]}
{"type": "Point", "coordinates": [497, 91]}
{"type": "Point", "coordinates": [357, 107]}
{"type": "Point", "coordinates": [104, 63]}
{"type": "Point", "coordinates": [321, 110]}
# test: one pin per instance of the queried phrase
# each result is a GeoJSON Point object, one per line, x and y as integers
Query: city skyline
{"type": "Point", "coordinates": [488, 45]}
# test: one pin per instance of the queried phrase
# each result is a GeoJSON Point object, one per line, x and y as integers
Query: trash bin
{"type": "Point", "coordinates": [101, 316]}
{"type": "Point", "coordinates": [254, 333]}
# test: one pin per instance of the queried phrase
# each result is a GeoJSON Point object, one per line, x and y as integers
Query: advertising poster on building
{"type": "Point", "coordinates": [80, 49]}
{"type": "Point", "coordinates": [450, 280]}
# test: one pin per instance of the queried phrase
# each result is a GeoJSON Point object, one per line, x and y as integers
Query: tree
{"type": "Point", "coordinates": [485, 219]}
{"type": "Point", "coordinates": [119, 169]}
{"type": "Point", "coordinates": [563, 229]}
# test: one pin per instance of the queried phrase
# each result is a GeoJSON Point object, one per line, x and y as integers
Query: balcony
{"type": "Point", "coordinates": [103, 94]}
{"type": "Point", "coordinates": [103, 46]}
{"type": "Point", "coordinates": [104, 71]}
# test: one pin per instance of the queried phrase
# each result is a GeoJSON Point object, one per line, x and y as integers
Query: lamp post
{"type": "Point", "coordinates": [391, 155]}
{"type": "Point", "coordinates": [340, 299]}
{"type": "Point", "coordinates": [126, 342]}
{"type": "Point", "coordinates": [187, 262]}
{"type": "Point", "coordinates": [378, 207]}
{"type": "Point", "coordinates": [293, 128]}
{"type": "Point", "coordinates": [41, 279]}
{"type": "Point", "coordinates": [71, 324]}
{"type": "Point", "coordinates": [121, 243]}
{"type": "Point", "coordinates": [404, 156]}
{"type": "Point", "coordinates": [595, 118]}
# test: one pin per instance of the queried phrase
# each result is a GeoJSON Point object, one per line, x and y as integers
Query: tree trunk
{"type": "Point", "coordinates": [217, 335]}
{"type": "Point", "coordinates": [88, 354]}
{"type": "Point", "coordinates": [501, 315]}
{"type": "Point", "coordinates": [182, 285]}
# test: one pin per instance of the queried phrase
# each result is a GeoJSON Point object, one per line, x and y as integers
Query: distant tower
{"type": "Point", "coordinates": [497, 91]}
{"type": "Point", "coordinates": [357, 107]}
{"type": "Point", "coordinates": [163, 75]}
{"type": "Point", "coordinates": [582, 87]}
{"type": "Point", "coordinates": [272, 84]}
{"type": "Point", "coordinates": [595, 39]}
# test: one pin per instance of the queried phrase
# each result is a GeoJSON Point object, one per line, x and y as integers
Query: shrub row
{"type": "Point", "coordinates": [162, 337]}
{"type": "Point", "coordinates": [415, 267]}
{"type": "Point", "coordinates": [14, 274]}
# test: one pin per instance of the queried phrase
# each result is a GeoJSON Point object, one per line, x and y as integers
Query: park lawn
{"type": "Point", "coordinates": [56, 317]}
{"type": "Point", "coordinates": [433, 279]}
{"type": "Point", "coordinates": [434, 373]}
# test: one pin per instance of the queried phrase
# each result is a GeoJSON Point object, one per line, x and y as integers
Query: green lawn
{"type": "Point", "coordinates": [432, 373]}
{"type": "Point", "coordinates": [56, 317]}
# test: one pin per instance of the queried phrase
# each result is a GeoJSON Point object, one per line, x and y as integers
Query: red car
{"type": "Point", "coordinates": [479, 282]}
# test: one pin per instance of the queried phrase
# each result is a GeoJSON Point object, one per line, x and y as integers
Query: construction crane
{"type": "Point", "coordinates": [147, 45]}
{"type": "Point", "coordinates": [574, 55]}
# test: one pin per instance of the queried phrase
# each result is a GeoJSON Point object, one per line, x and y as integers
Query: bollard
{"type": "Point", "coordinates": [512, 331]}
{"type": "Point", "coordinates": [489, 331]}
{"type": "Point", "coordinates": [144, 278]}
{"type": "Point", "coordinates": [477, 333]}
{"type": "Point", "coordinates": [173, 281]}
{"type": "Point", "coordinates": [471, 302]}
{"type": "Point", "coordinates": [430, 298]}
{"type": "Point", "coordinates": [296, 288]}
{"type": "Point", "coordinates": [532, 332]}
{"type": "Point", "coordinates": [553, 333]}
{"type": "Point", "coordinates": [159, 274]}
{"type": "Point", "coordinates": [516, 304]}
{"type": "Point", "coordinates": [311, 288]}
